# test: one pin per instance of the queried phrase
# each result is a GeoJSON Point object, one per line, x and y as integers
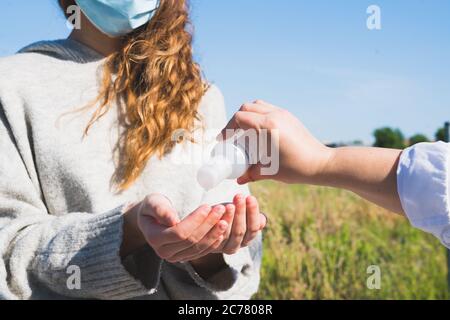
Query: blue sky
{"type": "Point", "coordinates": [315, 58]}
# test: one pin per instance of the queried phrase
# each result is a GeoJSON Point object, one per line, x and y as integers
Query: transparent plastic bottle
{"type": "Point", "coordinates": [229, 160]}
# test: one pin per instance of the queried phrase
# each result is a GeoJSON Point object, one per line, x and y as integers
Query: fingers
{"type": "Point", "coordinates": [209, 242]}
{"type": "Point", "coordinates": [216, 245]}
{"type": "Point", "coordinates": [253, 221]}
{"type": "Point", "coordinates": [238, 229]}
{"type": "Point", "coordinates": [228, 217]}
{"type": "Point", "coordinates": [213, 218]}
{"type": "Point", "coordinates": [253, 174]}
{"type": "Point", "coordinates": [160, 208]}
{"type": "Point", "coordinates": [249, 116]}
{"type": "Point", "coordinates": [152, 231]}
{"type": "Point", "coordinates": [205, 232]}
{"type": "Point", "coordinates": [185, 228]}
{"type": "Point", "coordinates": [263, 221]}
{"type": "Point", "coordinates": [243, 120]}
{"type": "Point", "coordinates": [197, 235]}
{"type": "Point", "coordinates": [249, 120]}
{"type": "Point", "coordinates": [258, 106]}
{"type": "Point", "coordinates": [268, 106]}
{"type": "Point", "coordinates": [203, 247]}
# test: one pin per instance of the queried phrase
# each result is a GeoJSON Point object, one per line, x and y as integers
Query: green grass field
{"type": "Point", "coordinates": [321, 241]}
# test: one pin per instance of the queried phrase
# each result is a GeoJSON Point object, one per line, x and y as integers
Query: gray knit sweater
{"type": "Point", "coordinates": [60, 220]}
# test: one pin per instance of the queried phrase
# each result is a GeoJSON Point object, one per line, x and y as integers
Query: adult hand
{"type": "Point", "coordinates": [369, 172]}
{"type": "Point", "coordinates": [302, 157]}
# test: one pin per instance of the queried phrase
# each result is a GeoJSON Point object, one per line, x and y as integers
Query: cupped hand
{"type": "Point", "coordinates": [199, 234]}
{"type": "Point", "coordinates": [219, 229]}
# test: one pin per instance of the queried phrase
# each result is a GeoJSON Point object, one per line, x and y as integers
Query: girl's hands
{"type": "Point", "coordinates": [176, 241]}
{"type": "Point", "coordinates": [218, 229]}
{"type": "Point", "coordinates": [245, 224]}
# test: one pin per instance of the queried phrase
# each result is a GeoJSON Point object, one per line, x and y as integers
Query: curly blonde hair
{"type": "Point", "coordinates": [157, 84]}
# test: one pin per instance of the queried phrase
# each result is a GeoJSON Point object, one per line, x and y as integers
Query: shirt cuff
{"type": "Point", "coordinates": [423, 185]}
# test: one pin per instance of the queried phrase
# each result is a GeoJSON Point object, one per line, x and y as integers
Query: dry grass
{"type": "Point", "coordinates": [321, 241]}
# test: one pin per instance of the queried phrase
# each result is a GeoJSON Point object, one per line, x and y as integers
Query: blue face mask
{"type": "Point", "coordinates": [118, 17]}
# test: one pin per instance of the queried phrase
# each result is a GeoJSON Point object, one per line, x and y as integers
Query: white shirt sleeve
{"type": "Point", "coordinates": [423, 186]}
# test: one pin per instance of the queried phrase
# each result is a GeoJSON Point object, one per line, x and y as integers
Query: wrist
{"type": "Point", "coordinates": [358, 169]}
{"type": "Point", "coordinates": [133, 239]}
{"type": "Point", "coordinates": [337, 169]}
{"type": "Point", "coordinates": [209, 265]}
{"type": "Point", "coordinates": [327, 167]}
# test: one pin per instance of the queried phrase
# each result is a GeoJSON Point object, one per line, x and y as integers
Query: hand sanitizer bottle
{"type": "Point", "coordinates": [229, 160]}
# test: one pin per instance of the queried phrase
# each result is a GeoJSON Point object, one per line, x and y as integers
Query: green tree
{"type": "Point", "coordinates": [440, 135]}
{"type": "Point", "coordinates": [389, 138]}
{"type": "Point", "coordinates": [418, 138]}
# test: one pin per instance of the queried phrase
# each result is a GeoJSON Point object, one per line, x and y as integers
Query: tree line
{"type": "Point", "coordinates": [394, 138]}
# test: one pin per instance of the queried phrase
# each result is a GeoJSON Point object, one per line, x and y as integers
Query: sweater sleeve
{"type": "Point", "coordinates": [423, 184]}
{"type": "Point", "coordinates": [75, 255]}
{"type": "Point", "coordinates": [239, 280]}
